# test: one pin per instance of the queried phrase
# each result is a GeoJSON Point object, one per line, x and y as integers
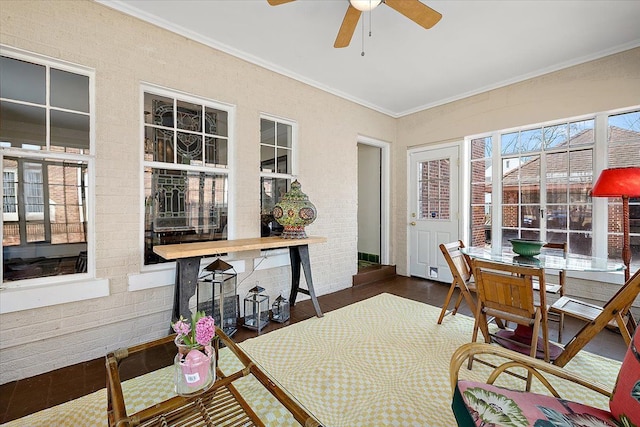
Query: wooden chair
{"type": "Point", "coordinates": [506, 292]}
{"type": "Point", "coordinates": [460, 267]}
{"type": "Point", "coordinates": [615, 309]}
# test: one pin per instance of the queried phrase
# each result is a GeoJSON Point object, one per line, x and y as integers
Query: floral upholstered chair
{"type": "Point", "coordinates": [485, 404]}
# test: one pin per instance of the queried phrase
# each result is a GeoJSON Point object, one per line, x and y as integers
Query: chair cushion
{"type": "Point", "coordinates": [625, 400]}
{"type": "Point", "coordinates": [476, 404]}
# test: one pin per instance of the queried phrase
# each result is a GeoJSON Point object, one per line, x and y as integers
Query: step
{"type": "Point", "coordinates": [373, 273]}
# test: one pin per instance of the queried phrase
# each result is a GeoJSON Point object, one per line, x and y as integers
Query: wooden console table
{"type": "Point", "coordinates": [188, 255]}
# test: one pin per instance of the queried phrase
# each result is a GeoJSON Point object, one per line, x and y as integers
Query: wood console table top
{"type": "Point", "coordinates": [195, 249]}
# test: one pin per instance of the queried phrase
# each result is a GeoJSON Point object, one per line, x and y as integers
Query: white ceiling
{"type": "Point", "coordinates": [478, 45]}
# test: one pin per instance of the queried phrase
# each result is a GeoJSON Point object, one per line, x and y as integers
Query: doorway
{"type": "Point", "coordinates": [373, 202]}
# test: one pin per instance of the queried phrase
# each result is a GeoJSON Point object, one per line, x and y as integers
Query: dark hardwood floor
{"type": "Point", "coordinates": [23, 397]}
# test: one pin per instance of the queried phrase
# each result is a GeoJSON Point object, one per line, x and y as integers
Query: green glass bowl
{"type": "Point", "coordinates": [525, 247]}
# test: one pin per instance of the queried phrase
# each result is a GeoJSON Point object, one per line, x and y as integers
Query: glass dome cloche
{"type": "Point", "coordinates": [294, 211]}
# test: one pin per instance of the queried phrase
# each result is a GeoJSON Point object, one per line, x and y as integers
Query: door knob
{"type": "Point", "coordinates": [413, 223]}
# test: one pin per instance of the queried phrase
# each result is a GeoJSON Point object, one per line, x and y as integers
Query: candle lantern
{"type": "Point", "coordinates": [280, 310]}
{"type": "Point", "coordinates": [217, 295]}
{"type": "Point", "coordinates": [256, 309]}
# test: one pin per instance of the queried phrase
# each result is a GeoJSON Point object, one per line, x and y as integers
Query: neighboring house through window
{"type": "Point", "coordinates": [277, 142]}
{"type": "Point", "coordinates": [186, 169]}
{"type": "Point", "coordinates": [45, 143]}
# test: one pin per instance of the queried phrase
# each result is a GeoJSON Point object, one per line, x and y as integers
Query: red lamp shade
{"type": "Point", "coordinates": [618, 182]}
{"type": "Point", "coordinates": [625, 183]}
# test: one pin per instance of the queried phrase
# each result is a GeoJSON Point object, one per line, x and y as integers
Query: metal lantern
{"type": "Point", "coordinates": [256, 309]}
{"type": "Point", "coordinates": [217, 295]}
{"type": "Point", "coordinates": [280, 309]}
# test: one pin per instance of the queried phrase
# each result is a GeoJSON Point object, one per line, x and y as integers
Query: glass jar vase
{"type": "Point", "coordinates": [194, 368]}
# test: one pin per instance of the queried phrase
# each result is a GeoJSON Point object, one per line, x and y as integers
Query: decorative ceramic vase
{"type": "Point", "coordinates": [194, 367]}
{"type": "Point", "coordinates": [294, 212]}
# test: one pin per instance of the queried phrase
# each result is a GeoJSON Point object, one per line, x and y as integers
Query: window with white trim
{"type": "Point", "coordinates": [45, 143]}
{"type": "Point", "coordinates": [186, 169]}
{"type": "Point", "coordinates": [534, 183]}
{"type": "Point", "coordinates": [277, 142]}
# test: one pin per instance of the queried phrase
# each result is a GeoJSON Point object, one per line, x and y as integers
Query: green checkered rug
{"type": "Point", "coordinates": [380, 362]}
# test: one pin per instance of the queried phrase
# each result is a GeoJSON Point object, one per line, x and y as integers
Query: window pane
{"type": "Point", "coordinates": [69, 91]}
{"type": "Point", "coordinates": [216, 122]}
{"type": "Point", "coordinates": [556, 136]}
{"type": "Point", "coordinates": [284, 135]}
{"type": "Point", "coordinates": [434, 181]}
{"type": "Point", "coordinates": [189, 116]}
{"type": "Point", "coordinates": [267, 132]}
{"type": "Point", "coordinates": [580, 217]}
{"type": "Point", "coordinates": [272, 190]}
{"type": "Point", "coordinates": [22, 80]}
{"type": "Point", "coordinates": [530, 169]}
{"type": "Point", "coordinates": [481, 148]}
{"type": "Point", "coordinates": [267, 158]}
{"type": "Point", "coordinates": [183, 206]}
{"type": "Point", "coordinates": [531, 140]}
{"type": "Point", "coordinates": [530, 216]}
{"type": "Point", "coordinates": [216, 154]}
{"type": "Point", "coordinates": [69, 130]}
{"type": "Point", "coordinates": [22, 125]}
{"type": "Point", "coordinates": [581, 133]}
{"type": "Point", "coordinates": [158, 145]}
{"type": "Point", "coordinates": [557, 217]}
{"type": "Point", "coordinates": [624, 140]}
{"type": "Point", "coordinates": [283, 165]}
{"type": "Point", "coordinates": [161, 110]}
{"type": "Point", "coordinates": [509, 143]}
{"type": "Point", "coordinates": [54, 215]}
{"type": "Point", "coordinates": [557, 177]}
{"type": "Point", "coordinates": [189, 148]}
{"type": "Point", "coordinates": [580, 243]}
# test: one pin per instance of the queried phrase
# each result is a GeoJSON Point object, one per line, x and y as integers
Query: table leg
{"type": "Point", "coordinates": [299, 255]}
{"type": "Point", "coordinates": [187, 270]}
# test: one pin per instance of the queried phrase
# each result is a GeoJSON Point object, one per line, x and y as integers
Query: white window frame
{"type": "Point", "coordinates": [47, 291]}
{"type": "Point", "coordinates": [293, 149]}
{"type": "Point", "coordinates": [599, 210]}
{"type": "Point", "coordinates": [155, 275]}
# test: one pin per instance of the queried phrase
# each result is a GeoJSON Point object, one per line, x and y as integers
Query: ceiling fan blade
{"type": "Point", "coordinates": [277, 2]}
{"type": "Point", "coordinates": [348, 27]}
{"type": "Point", "coordinates": [418, 12]}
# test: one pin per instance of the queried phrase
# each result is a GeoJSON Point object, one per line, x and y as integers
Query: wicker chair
{"type": "Point", "coordinates": [482, 403]}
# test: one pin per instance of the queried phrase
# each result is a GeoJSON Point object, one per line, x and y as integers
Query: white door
{"type": "Point", "coordinates": [433, 210]}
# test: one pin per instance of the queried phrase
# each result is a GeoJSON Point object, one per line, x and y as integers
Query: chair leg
{"type": "Point", "coordinates": [455, 307]}
{"type": "Point", "coordinates": [560, 327]}
{"type": "Point", "coordinates": [447, 300]}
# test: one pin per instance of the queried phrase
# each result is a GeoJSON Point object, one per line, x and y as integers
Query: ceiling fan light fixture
{"type": "Point", "coordinates": [365, 5]}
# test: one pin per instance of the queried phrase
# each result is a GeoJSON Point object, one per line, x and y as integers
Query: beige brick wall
{"type": "Point", "coordinates": [124, 52]}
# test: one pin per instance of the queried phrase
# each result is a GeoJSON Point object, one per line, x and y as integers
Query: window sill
{"type": "Point", "coordinates": [27, 298]}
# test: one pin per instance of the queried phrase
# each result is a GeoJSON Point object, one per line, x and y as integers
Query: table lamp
{"type": "Point", "coordinates": [625, 183]}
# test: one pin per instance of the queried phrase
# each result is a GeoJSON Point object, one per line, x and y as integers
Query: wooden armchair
{"type": "Point", "coordinates": [598, 317]}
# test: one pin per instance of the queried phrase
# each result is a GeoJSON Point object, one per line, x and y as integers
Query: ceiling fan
{"type": "Point", "coordinates": [418, 12]}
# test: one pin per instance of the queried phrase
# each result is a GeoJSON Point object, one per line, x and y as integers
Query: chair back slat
{"type": "Point", "coordinates": [505, 291]}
